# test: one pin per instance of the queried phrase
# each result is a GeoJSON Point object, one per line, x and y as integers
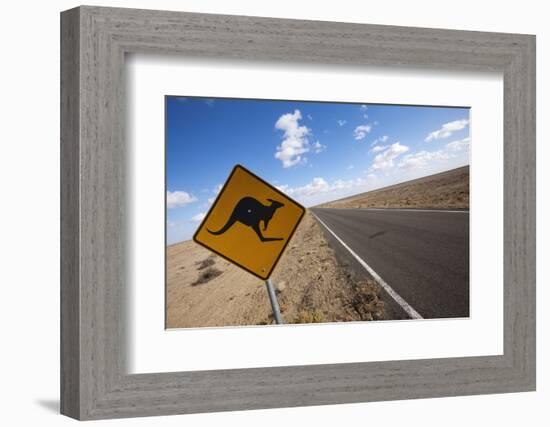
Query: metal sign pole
{"type": "Point", "coordinates": [274, 302]}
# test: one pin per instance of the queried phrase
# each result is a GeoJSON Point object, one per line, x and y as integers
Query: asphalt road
{"type": "Point", "coordinates": [422, 255]}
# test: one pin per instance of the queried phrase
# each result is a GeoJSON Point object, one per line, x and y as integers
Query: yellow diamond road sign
{"type": "Point", "coordinates": [250, 223]}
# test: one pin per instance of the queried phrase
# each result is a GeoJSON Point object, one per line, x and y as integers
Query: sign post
{"type": "Point", "coordinates": [274, 302]}
{"type": "Point", "coordinates": [250, 224]}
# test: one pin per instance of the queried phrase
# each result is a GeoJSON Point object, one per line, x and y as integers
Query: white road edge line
{"type": "Point", "coordinates": [402, 303]}
{"type": "Point", "coordinates": [412, 210]}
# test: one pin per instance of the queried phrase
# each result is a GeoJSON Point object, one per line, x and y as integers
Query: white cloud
{"type": "Point", "coordinates": [309, 117]}
{"type": "Point", "coordinates": [318, 147]}
{"type": "Point", "coordinates": [378, 148]}
{"type": "Point", "coordinates": [350, 167]}
{"type": "Point", "coordinates": [378, 140]}
{"type": "Point", "coordinates": [319, 186]}
{"type": "Point", "coordinates": [361, 131]}
{"type": "Point", "coordinates": [216, 191]}
{"type": "Point", "coordinates": [447, 129]}
{"type": "Point", "coordinates": [453, 152]}
{"type": "Point", "coordinates": [363, 107]}
{"type": "Point", "coordinates": [341, 122]}
{"type": "Point", "coordinates": [421, 159]}
{"type": "Point", "coordinates": [459, 145]}
{"type": "Point", "coordinates": [199, 217]}
{"type": "Point", "coordinates": [295, 140]}
{"type": "Point", "coordinates": [178, 199]}
{"type": "Point", "coordinates": [385, 160]}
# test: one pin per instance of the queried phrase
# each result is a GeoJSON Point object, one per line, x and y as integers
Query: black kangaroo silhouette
{"type": "Point", "coordinates": [250, 212]}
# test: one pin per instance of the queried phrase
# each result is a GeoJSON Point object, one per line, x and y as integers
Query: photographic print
{"type": "Point", "coordinates": [299, 212]}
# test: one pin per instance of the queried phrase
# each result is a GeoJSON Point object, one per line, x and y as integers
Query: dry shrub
{"type": "Point", "coordinates": [207, 262]}
{"type": "Point", "coordinates": [207, 275]}
{"type": "Point", "coordinates": [366, 301]}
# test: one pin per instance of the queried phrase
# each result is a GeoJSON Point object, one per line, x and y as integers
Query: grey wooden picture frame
{"type": "Point", "coordinates": [94, 381]}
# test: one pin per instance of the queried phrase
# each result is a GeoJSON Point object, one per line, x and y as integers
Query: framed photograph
{"type": "Point", "coordinates": [263, 213]}
{"type": "Point", "coordinates": [402, 203]}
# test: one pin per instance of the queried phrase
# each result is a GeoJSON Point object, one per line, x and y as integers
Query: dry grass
{"type": "Point", "coordinates": [309, 316]}
{"type": "Point", "coordinates": [367, 302]}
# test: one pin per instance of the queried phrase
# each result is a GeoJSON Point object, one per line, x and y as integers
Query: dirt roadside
{"type": "Point", "coordinates": [203, 289]}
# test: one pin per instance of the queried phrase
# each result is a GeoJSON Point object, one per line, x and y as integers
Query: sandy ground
{"type": "Point", "coordinates": [203, 289]}
{"type": "Point", "coordinates": [450, 189]}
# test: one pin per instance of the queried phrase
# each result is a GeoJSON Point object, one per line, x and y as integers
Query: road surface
{"type": "Point", "coordinates": [423, 255]}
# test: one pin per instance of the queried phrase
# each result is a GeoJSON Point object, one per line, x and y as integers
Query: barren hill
{"type": "Point", "coordinates": [445, 190]}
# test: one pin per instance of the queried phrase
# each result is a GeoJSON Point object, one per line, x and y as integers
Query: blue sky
{"type": "Point", "coordinates": [313, 151]}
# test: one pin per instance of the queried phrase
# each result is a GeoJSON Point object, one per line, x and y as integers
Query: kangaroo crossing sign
{"type": "Point", "coordinates": [250, 223]}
